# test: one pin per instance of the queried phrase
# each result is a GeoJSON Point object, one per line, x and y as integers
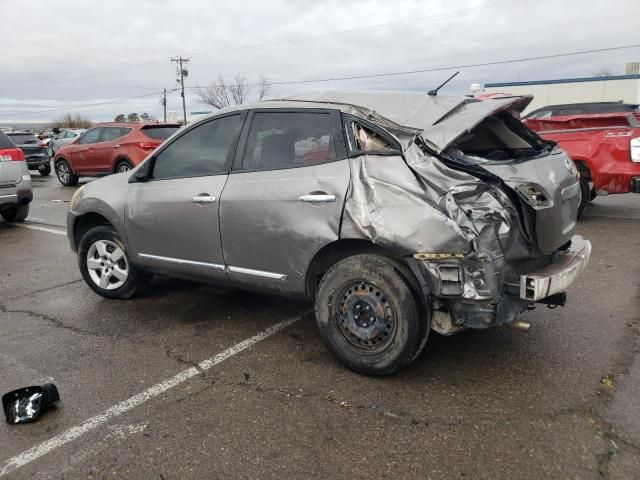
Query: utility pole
{"type": "Point", "coordinates": [164, 103]}
{"type": "Point", "coordinates": [183, 72]}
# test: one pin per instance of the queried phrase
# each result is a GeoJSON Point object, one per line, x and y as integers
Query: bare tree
{"type": "Point", "coordinates": [604, 72]}
{"type": "Point", "coordinates": [264, 87]}
{"type": "Point", "coordinates": [71, 120]}
{"type": "Point", "coordinates": [222, 94]}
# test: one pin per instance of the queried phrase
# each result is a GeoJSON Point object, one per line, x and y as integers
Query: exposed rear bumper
{"type": "Point", "coordinates": [557, 276]}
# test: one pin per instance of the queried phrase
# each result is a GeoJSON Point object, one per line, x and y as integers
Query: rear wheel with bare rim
{"type": "Point", "coordinates": [123, 166]}
{"type": "Point", "coordinates": [65, 174]}
{"type": "Point", "coordinates": [369, 315]}
{"type": "Point", "coordinates": [105, 265]}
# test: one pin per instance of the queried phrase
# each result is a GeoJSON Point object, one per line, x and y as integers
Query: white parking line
{"type": "Point", "coordinates": [36, 227]}
{"type": "Point", "coordinates": [73, 433]}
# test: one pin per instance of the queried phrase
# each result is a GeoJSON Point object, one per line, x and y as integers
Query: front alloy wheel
{"type": "Point", "coordinates": [105, 265]}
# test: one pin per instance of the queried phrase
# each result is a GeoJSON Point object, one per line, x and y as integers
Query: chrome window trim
{"type": "Point", "coordinates": [180, 261]}
{"type": "Point", "coordinates": [257, 273]}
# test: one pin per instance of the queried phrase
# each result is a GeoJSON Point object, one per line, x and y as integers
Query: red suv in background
{"type": "Point", "coordinates": [109, 148]}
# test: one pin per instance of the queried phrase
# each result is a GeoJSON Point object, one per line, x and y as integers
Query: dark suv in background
{"type": "Point", "coordinates": [35, 151]}
{"type": "Point", "coordinates": [109, 148]}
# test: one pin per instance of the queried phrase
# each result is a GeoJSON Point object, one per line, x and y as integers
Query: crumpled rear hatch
{"type": "Point", "coordinates": [487, 136]}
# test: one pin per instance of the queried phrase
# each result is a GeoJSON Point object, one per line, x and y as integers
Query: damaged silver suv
{"type": "Point", "coordinates": [398, 212]}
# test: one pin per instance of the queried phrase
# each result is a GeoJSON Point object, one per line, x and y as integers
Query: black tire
{"type": "Point", "coordinates": [393, 331]}
{"type": "Point", "coordinates": [585, 191]}
{"type": "Point", "coordinates": [65, 174]}
{"type": "Point", "coordinates": [123, 166]}
{"type": "Point", "coordinates": [45, 169]}
{"type": "Point", "coordinates": [15, 214]}
{"type": "Point", "coordinates": [136, 279]}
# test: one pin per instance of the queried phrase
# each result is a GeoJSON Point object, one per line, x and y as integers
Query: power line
{"type": "Point", "coordinates": [439, 69]}
{"type": "Point", "coordinates": [117, 100]}
{"type": "Point", "coordinates": [426, 19]}
{"type": "Point", "coordinates": [356, 77]}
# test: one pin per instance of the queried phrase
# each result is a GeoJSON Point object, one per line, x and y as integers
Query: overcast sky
{"type": "Point", "coordinates": [74, 52]}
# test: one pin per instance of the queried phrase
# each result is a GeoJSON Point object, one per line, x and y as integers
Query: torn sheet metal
{"type": "Point", "coordinates": [422, 205]}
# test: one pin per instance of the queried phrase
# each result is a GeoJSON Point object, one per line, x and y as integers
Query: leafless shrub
{"type": "Point", "coordinates": [72, 120]}
{"type": "Point", "coordinates": [222, 94]}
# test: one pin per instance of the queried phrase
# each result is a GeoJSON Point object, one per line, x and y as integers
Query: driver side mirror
{"type": "Point", "coordinates": [25, 405]}
{"type": "Point", "coordinates": [141, 175]}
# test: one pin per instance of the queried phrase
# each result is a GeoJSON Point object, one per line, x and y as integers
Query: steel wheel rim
{"type": "Point", "coordinates": [107, 265]}
{"type": "Point", "coordinates": [123, 168]}
{"type": "Point", "coordinates": [63, 172]}
{"type": "Point", "coordinates": [365, 330]}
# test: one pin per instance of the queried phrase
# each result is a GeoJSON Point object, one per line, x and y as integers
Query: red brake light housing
{"type": "Point", "coordinates": [147, 146]}
{"type": "Point", "coordinates": [11, 154]}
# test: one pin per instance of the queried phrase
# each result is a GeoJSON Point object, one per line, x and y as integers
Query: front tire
{"type": "Point", "coordinates": [369, 316]}
{"type": "Point", "coordinates": [65, 174]}
{"type": "Point", "coordinates": [15, 214]}
{"type": "Point", "coordinates": [105, 264]}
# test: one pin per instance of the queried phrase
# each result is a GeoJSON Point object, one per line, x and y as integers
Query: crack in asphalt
{"type": "Point", "coordinates": [44, 289]}
{"type": "Point", "coordinates": [57, 323]}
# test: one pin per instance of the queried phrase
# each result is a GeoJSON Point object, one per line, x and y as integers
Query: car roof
{"type": "Point", "coordinates": [410, 109]}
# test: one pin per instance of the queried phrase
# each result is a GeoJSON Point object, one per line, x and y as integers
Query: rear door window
{"type": "Point", "coordinates": [289, 139]}
{"type": "Point", "coordinates": [112, 133]}
{"type": "Point", "coordinates": [207, 149]}
{"type": "Point", "coordinates": [160, 132]}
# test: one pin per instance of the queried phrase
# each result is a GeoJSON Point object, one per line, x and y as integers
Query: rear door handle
{"type": "Point", "coordinates": [203, 199]}
{"type": "Point", "coordinates": [317, 198]}
{"type": "Point", "coordinates": [116, 146]}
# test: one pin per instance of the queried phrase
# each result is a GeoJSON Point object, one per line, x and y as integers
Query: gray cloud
{"type": "Point", "coordinates": [74, 52]}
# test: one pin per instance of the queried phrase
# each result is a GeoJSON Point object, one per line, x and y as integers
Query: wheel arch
{"type": "Point", "coordinates": [118, 159]}
{"type": "Point", "coordinates": [340, 249]}
{"type": "Point", "coordinates": [57, 160]}
{"type": "Point", "coordinates": [86, 222]}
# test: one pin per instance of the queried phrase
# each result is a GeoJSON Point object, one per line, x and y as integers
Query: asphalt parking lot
{"type": "Point", "coordinates": [194, 381]}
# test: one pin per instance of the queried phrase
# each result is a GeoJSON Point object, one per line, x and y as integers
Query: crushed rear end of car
{"type": "Point", "coordinates": [482, 209]}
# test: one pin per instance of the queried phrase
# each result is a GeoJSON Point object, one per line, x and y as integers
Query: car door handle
{"type": "Point", "coordinates": [116, 146]}
{"type": "Point", "coordinates": [202, 199]}
{"type": "Point", "coordinates": [317, 198]}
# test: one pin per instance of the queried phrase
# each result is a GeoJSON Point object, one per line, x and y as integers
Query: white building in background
{"type": "Point", "coordinates": [616, 88]}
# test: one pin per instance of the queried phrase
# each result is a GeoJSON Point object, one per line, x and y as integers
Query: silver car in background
{"type": "Point", "coordinates": [397, 212]}
{"type": "Point", "coordinates": [63, 137]}
{"type": "Point", "coordinates": [15, 182]}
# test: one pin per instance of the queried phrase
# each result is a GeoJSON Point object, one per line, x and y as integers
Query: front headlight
{"type": "Point", "coordinates": [76, 198]}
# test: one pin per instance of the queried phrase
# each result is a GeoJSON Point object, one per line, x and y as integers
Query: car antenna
{"type": "Point", "coordinates": [434, 92]}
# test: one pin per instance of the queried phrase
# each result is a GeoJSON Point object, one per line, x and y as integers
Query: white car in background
{"type": "Point", "coordinates": [63, 137]}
